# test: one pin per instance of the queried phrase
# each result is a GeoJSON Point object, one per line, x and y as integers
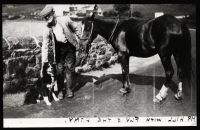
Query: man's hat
{"type": "Point", "coordinates": [47, 10]}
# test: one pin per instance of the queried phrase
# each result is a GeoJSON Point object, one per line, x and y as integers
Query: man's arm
{"type": "Point", "coordinates": [45, 49]}
{"type": "Point", "coordinates": [73, 26]}
{"type": "Point", "coordinates": [45, 45]}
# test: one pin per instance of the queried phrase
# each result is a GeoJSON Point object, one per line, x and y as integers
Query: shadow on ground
{"type": "Point", "coordinates": [156, 81]}
{"type": "Point", "coordinates": [81, 80]}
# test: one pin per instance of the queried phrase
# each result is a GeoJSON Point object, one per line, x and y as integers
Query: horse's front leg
{"type": "Point", "coordinates": [124, 61]}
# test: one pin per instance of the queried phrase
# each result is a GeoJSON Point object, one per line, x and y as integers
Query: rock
{"type": "Point", "coordinates": [6, 54]}
{"type": "Point", "coordinates": [111, 49]}
{"type": "Point", "coordinates": [87, 68]}
{"type": "Point", "coordinates": [94, 55]}
{"type": "Point", "coordinates": [98, 63]}
{"type": "Point", "coordinates": [32, 72]}
{"type": "Point", "coordinates": [14, 64]}
{"type": "Point", "coordinates": [32, 61]}
{"type": "Point", "coordinates": [101, 51]}
{"type": "Point", "coordinates": [13, 43]}
{"type": "Point", "coordinates": [28, 42]}
{"type": "Point", "coordinates": [91, 61]}
{"type": "Point", "coordinates": [5, 44]}
{"type": "Point", "coordinates": [100, 54]}
{"type": "Point", "coordinates": [21, 52]}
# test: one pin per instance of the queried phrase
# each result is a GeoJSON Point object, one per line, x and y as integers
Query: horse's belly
{"type": "Point", "coordinates": [140, 46]}
{"type": "Point", "coordinates": [144, 55]}
{"type": "Point", "coordinates": [143, 52]}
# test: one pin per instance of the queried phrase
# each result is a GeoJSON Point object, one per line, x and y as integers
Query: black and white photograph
{"type": "Point", "coordinates": [99, 65]}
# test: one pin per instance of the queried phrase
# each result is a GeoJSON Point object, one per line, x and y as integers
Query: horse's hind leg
{"type": "Point", "coordinates": [124, 61]}
{"type": "Point", "coordinates": [179, 94]}
{"type": "Point", "coordinates": [169, 71]}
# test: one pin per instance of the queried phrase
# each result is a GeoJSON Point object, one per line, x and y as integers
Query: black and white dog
{"type": "Point", "coordinates": [49, 84]}
{"type": "Point", "coordinates": [45, 88]}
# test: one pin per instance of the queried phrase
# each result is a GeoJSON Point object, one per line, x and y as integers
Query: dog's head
{"type": "Point", "coordinates": [50, 70]}
{"type": "Point", "coordinates": [48, 74]}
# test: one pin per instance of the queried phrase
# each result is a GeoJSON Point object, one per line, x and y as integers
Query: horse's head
{"type": "Point", "coordinates": [87, 33]}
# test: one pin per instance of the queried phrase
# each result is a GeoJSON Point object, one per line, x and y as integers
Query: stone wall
{"type": "Point", "coordinates": [22, 60]}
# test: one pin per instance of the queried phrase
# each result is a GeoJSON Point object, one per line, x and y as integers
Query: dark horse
{"type": "Point", "coordinates": [165, 36]}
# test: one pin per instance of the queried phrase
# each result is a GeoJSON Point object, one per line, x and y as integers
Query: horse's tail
{"type": "Point", "coordinates": [184, 54]}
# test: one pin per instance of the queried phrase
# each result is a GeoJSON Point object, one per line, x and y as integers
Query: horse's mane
{"type": "Point", "coordinates": [121, 21]}
{"type": "Point", "coordinates": [110, 20]}
{"type": "Point", "coordinates": [98, 19]}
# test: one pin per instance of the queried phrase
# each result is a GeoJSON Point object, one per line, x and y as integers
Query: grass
{"type": "Point", "coordinates": [23, 28]}
{"type": "Point", "coordinates": [25, 9]}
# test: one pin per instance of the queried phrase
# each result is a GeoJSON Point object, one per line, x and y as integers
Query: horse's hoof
{"type": "Point", "coordinates": [178, 96]}
{"type": "Point", "coordinates": [123, 91]}
{"type": "Point", "coordinates": [48, 103]}
{"type": "Point", "coordinates": [69, 94]}
{"type": "Point", "coordinates": [158, 101]}
{"type": "Point", "coordinates": [57, 99]}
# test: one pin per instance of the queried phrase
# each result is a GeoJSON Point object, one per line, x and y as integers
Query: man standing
{"type": "Point", "coordinates": [60, 33]}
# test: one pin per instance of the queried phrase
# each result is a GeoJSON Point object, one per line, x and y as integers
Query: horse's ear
{"type": "Point", "coordinates": [93, 15]}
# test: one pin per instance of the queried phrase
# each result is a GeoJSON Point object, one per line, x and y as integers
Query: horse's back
{"type": "Point", "coordinates": [139, 38]}
{"type": "Point", "coordinates": [144, 37]}
{"type": "Point", "coordinates": [167, 24]}
{"type": "Point", "coordinates": [169, 32]}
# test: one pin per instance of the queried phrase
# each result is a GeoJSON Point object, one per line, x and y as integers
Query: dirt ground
{"type": "Point", "coordinates": [102, 99]}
